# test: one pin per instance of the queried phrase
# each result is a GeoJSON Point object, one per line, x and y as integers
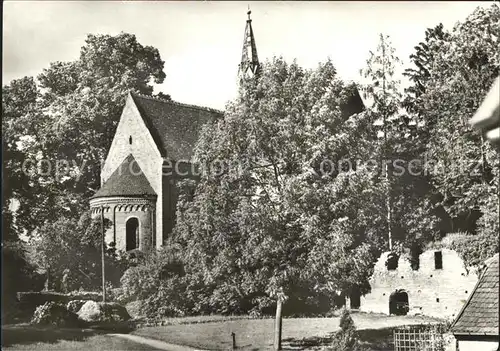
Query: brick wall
{"type": "Point", "coordinates": [119, 211]}
{"type": "Point", "coordinates": [431, 291]}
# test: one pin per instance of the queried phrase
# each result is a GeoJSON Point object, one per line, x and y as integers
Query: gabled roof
{"type": "Point", "coordinates": [173, 126]}
{"type": "Point", "coordinates": [480, 315]}
{"type": "Point", "coordinates": [127, 180]}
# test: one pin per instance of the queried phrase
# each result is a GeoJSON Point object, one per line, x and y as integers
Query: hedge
{"type": "Point", "coordinates": [29, 301]}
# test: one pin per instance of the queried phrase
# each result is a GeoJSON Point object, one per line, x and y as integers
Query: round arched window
{"type": "Point", "coordinates": [130, 140]}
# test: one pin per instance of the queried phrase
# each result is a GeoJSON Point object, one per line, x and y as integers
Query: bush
{"type": "Point", "coordinates": [28, 301]}
{"type": "Point", "coordinates": [103, 313]}
{"type": "Point", "coordinates": [17, 275]}
{"type": "Point", "coordinates": [75, 305]}
{"type": "Point", "coordinates": [345, 339]}
{"type": "Point", "coordinates": [51, 313]}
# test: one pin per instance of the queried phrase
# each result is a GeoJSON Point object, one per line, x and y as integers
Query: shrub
{"type": "Point", "coordinates": [51, 313]}
{"type": "Point", "coordinates": [75, 305]}
{"type": "Point", "coordinates": [345, 339]}
{"type": "Point", "coordinates": [103, 312]}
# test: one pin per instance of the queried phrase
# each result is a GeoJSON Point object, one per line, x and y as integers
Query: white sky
{"type": "Point", "coordinates": [201, 42]}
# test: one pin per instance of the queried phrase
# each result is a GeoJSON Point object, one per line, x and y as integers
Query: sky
{"type": "Point", "coordinates": [201, 41]}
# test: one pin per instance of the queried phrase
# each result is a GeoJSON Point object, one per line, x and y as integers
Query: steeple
{"type": "Point", "coordinates": [249, 65]}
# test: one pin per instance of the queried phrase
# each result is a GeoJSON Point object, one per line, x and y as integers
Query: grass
{"type": "Point", "coordinates": [29, 338]}
{"type": "Point", "coordinates": [214, 333]}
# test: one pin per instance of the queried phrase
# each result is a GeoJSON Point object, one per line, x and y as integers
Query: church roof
{"type": "Point", "coordinates": [173, 126]}
{"type": "Point", "coordinates": [480, 315]}
{"type": "Point", "coordinates": [127, 180]}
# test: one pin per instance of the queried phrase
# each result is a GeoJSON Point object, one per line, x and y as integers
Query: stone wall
{"type": "Point", "coordinates": [431, 291]}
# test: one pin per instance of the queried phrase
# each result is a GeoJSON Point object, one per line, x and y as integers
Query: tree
{"type": "Point", "coordinates": [73, 249]}
{"type": "Point", "coordinates": [20, 118]}
{"type": "Point", "coordinates": [386, 102]}
{"type": "Point", "coordinates": [461, 71]}
{"type": "Point", "coordinates": [422, 60]}
{"type": "Point", "coordinates": [70, 122]}
{"type": "Point", "coordinates": [408, 209]}
{"type": "Point", "coordinates": [256, 227]}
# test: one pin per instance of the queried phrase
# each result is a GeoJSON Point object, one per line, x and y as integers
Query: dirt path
{"type": "Point", "coordinates": [160, 345]}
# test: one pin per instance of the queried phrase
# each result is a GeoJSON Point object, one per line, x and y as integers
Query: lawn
{"type": "Point", "coordinates": [28, 338]}
{"type": "Point", "coordinates": [375, 332]}
{"type": "Point", "coordinates": [212, 333]}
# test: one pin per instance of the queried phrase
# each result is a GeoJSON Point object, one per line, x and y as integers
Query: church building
{"type": "Point", "coordinates": [151, 150]}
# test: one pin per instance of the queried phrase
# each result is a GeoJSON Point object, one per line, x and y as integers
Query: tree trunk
{"type": "Point", "coordinates": [388, 204]}
{"type": "Point", "coordinates": [277, 326]}
{"type": "Point", "coordinates": [47, 282]}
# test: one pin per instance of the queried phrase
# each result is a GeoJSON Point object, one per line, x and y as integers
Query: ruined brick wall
{"type": "Point", "coordinates": [431, 291]}
{"type": "Point", "coordinates": [144, 150]}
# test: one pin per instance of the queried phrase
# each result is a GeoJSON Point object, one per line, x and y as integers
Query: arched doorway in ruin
{"type": "Point", "coordinates": [398, 303]}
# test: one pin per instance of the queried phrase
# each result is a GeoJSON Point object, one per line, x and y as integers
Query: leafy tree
{"type": "Point", "coordinates": [69, 121]}
{"type": "Point", "coordinates": [408, 209]}
{"type": "Point", "coordinates": [73, 249]}
{"type": "Point", "coordinates": [261, 232]}
{"type": "Point", "coordinates": [422, 59]}
{"type": "Point", "coordinates": [19, 118]}
{"type": "Point", "coordinates": [461, 70]}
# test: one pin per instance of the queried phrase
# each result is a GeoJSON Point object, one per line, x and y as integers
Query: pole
{"type": "Point", "coordinates": [102, 256]}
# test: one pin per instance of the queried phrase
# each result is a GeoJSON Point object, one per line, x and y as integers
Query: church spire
{"type": "Point", "coordinates": [249, 65]}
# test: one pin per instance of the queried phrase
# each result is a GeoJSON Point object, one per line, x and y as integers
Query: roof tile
{"type": "Point", "coordinates": [174, 126]}
{"type": "Point", "coordinates": [480, 315]}
{"type": "Point", "coordinates": [127, 180]}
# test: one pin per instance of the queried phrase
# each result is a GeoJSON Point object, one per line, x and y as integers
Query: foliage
{"type": "Point", "coordinates": [475, 249]}
{"type": "Point", "coordinates": [18, 274]}
{"type": "Point", "coordinates": [51, 313]}
{"type": "Point", "coordinates": [345, 339]}
{"type": "Point", "coordinates": [267, 225]}
{"type": "Point", "coordinates": [462, 66]}
{"type": "Point", "coordinates": [103, 312]}
{"type": "Point", "coordinates": [158, 283]}
{"type": "Point", "coordinates": [69, 120]}
{"type": "Point", "coordinates": [71, 254]}
{"type": "Point", "coordinates": [407, 193]}
{"type": "Point", "coordinates": [75, 305]}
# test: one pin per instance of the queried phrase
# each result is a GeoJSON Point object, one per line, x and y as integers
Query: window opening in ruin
{"type": "Point", "coordinates": [130, 140]}
{"type": "Point", "coordinates": [415, 252]}
{"type": "Point", "coordinates": [438, 260]}
{"type": "Point", "coordinates": [132, 234]}
{"type": "Point", "coordinates": [392, 261]}
{"type": "Point", "coordinates": [398, 303]}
